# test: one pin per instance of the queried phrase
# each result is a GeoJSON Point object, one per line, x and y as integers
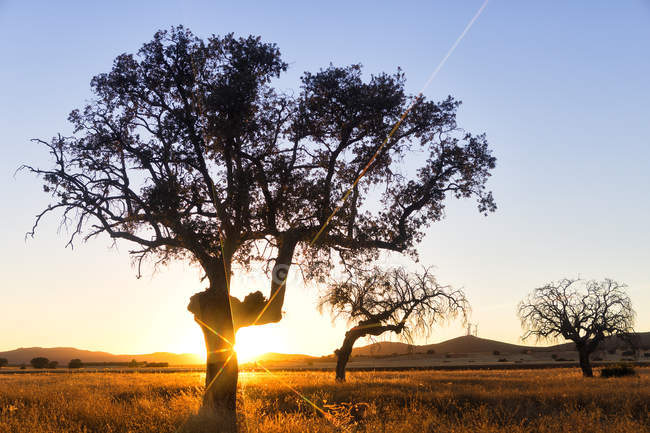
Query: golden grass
{"type": "Point", "coordinates": [557, 400]}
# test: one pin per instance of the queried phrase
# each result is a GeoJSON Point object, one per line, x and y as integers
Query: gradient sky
{"type": "Point", "coordinates": [562, 90]}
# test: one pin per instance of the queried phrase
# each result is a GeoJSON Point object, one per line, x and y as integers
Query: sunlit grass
{"type": "Point", "coordinates": [451, 401]}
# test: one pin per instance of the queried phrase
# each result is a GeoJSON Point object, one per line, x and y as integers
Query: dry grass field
{"type": "Point", "coordinates": [557, 400]}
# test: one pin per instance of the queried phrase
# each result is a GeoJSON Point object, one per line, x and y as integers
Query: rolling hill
{"type": "Point", "coordinates": [472, 344]}
{"type": "Point", "coordinates": [466, 344]}
{"type": "Point", "coordinates": [642, 340]}
{"type": "Point", "coordinates": [64, 354]}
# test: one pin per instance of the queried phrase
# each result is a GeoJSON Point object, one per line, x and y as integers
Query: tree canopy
{"type": "Point", "coordinates": [187, 148]}
{"type": "Point", "coordinates": [406, 302]}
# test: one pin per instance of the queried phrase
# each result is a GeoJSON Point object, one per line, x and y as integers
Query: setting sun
{"type": "Point", "coordinates": [258, 340]}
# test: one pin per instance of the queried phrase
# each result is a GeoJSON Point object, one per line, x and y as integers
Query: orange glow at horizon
{"type": "Point", "coordinates": [254, 341]}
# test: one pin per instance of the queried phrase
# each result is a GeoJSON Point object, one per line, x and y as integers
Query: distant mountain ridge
{"type": "Point", "coordinates": [472, 344]}
{"type": "Point", "coordinates": [460, 345]}
{"type": "Point", "coordinates": [63, 355]}
{"type": "Point", "coordinates": [463, 344]}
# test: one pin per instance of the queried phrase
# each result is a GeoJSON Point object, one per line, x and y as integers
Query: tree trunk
{"type": "Point", "coordinates": [343, 354]}
{"type": "Point", "coordinates": [366, 327]}
{"type": "Point", "coordinates": [219, 316]}
{"type": "Point", "coordinates": [585, 365]}
{"type": "Point", "coordinates": [211, 310]}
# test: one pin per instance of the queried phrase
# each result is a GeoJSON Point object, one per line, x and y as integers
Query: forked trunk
{"type": "Point", "coordinates": [585, 365]}
{"type": "Point", "coordinates": [211, 310]}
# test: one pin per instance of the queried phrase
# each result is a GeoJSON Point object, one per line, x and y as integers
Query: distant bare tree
{"type": "Point", "coordinates": [389, 300]}
{"type": "Point", "coordinates": [585, 315]}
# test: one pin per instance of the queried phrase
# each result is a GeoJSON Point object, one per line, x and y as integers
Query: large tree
{"type": "Point", "coordinates": [188, 152]}
{"type": "Point", "coordinates": [389, 300]}
{"type": "Point", "coordinates": [585, 312]}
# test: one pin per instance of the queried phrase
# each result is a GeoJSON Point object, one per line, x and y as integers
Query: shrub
{"type": "Point", "coordinates": [23, 366]}
{"type": "Point", "coordinates": [156, 364]}
{"type": "Point", "coordinates": [39, 362]}
{"type": "Point", "coordinates": [75, 363]}
{"type": "Point", "coordinates": [619, 370]}
{"type": "Point", "coordinates": [496, 353]}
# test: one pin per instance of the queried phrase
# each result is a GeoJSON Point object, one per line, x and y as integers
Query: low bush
{"type": "Point", "coordinates": [620, 370]}
{"type": "Point", "coordinates": [157, 364]}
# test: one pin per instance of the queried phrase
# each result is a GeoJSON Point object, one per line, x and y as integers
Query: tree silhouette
{"type": "Point", "coordinates": [585, 315]}
{"type": "Point", "coordinates": [39, 362]}
{"type": "Point", "coordinates": [392, 300]}
{"type": "Point", "coordinates": [75, 363]}
{"type": "Point", "coordinates": [188, 152]}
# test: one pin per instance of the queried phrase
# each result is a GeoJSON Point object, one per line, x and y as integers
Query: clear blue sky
{"type": "Point", "coordinates": [561, 89]}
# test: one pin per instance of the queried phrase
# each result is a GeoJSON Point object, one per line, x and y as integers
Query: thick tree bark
{"type": "Point", "coordinates": [212, 312]}
{"type": "Point", "coordinates": [585, 365]}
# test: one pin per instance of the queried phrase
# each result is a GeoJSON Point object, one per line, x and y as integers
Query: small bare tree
{"type": "Point", "coordinates": [585, 315]}
{"type": "Point", "coordinates": [394, 300]}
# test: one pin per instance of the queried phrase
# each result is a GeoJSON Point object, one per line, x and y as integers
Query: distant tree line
{"type": "Point", "coordinates": [41, 362]}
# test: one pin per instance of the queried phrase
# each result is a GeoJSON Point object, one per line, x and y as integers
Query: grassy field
{"type": "Point", "coordinates": [557, 400]}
